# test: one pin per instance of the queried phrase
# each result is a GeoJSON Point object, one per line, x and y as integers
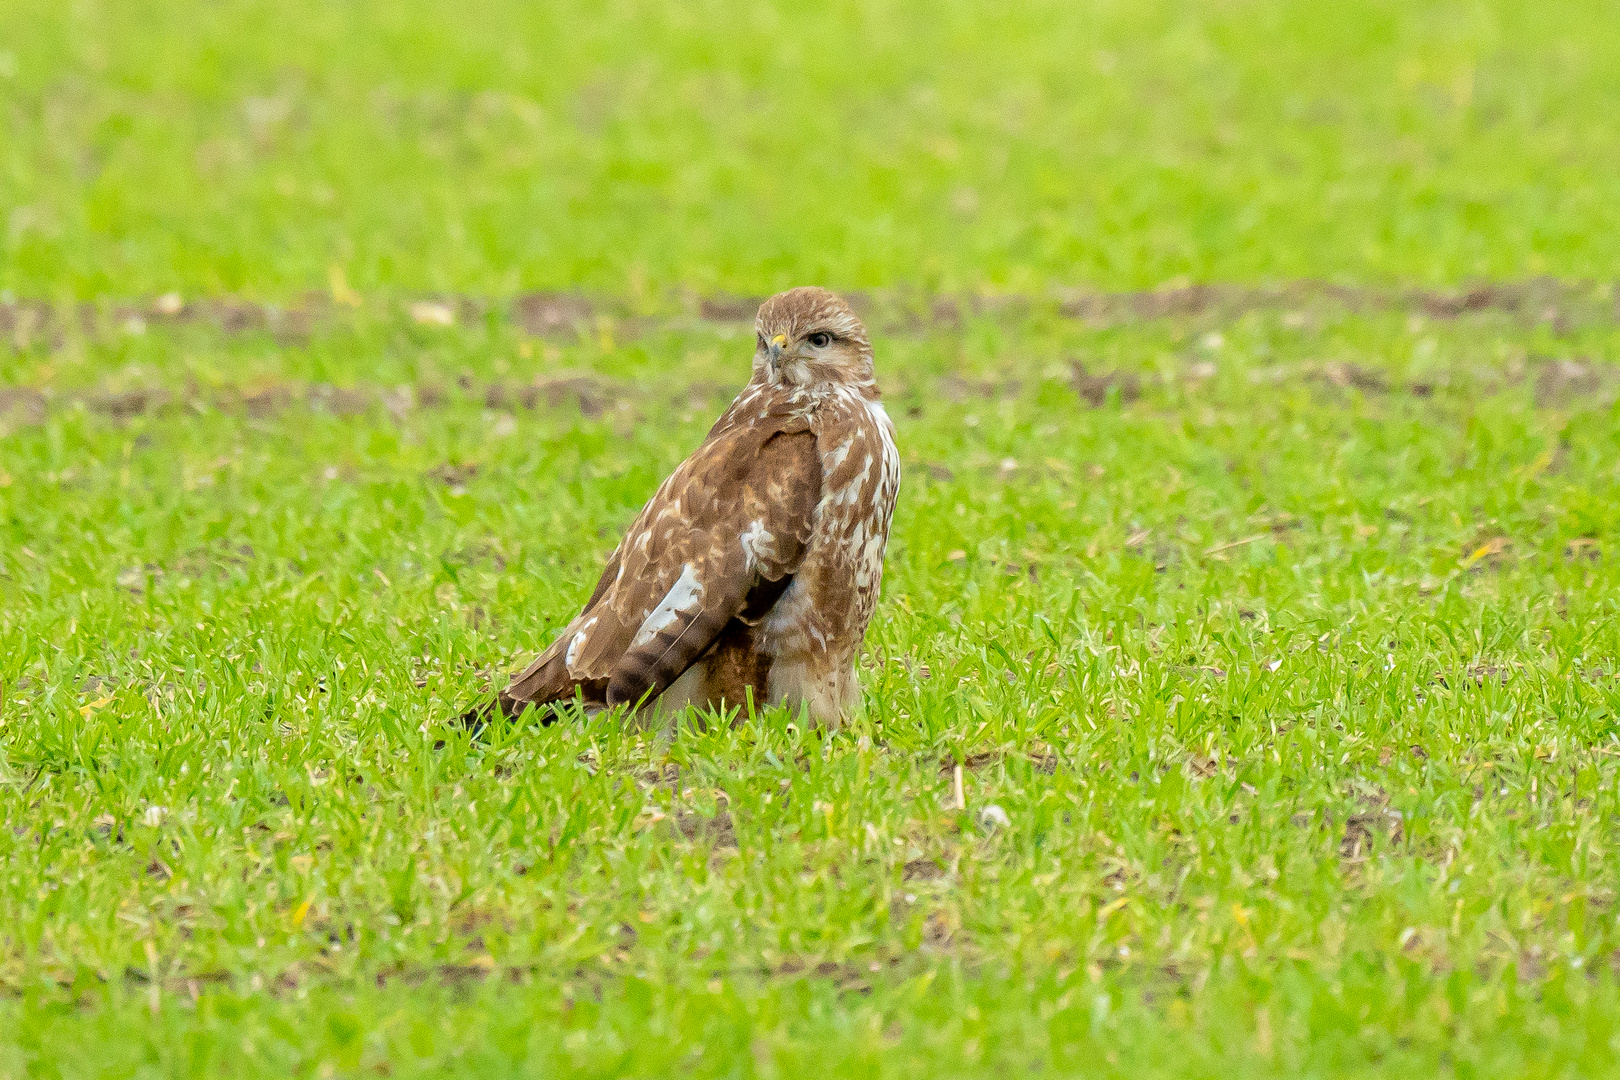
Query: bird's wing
{"type": "Point", "coordinates": [728, 527]}
{"type": "Point", "coordinates": [547, 678]}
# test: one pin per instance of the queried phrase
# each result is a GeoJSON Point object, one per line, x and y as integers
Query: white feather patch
{"type": "Point", "coordinates": [831, 461]}
{"type": "Point", "coordinates": [684, 598]}
{"type": "Point", "coordinates": [757, 544]}
{"type": "Point", "coordinates": [571, 657]}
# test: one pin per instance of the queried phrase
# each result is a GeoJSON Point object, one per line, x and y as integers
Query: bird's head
{"type": "Point", "coordinates": [809, 336]}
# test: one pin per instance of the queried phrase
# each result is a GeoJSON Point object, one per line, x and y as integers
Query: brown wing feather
{"type": "Point", "coordinates": [547, 678]}
{"type": "Point", "coordinates": [704, 601]}
{"type": "Point", "coordinates": [735, 515]}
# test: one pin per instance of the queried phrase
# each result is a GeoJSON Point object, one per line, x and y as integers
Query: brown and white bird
{"type": "Point", "coordinates": [754, 569]}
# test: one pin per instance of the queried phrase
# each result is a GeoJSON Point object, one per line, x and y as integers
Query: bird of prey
{"type": "Point", "coordinates": [752, 572]}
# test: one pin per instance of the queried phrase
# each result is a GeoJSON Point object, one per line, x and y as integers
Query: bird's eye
{"type": "Point", "coordinates": [820, 341]}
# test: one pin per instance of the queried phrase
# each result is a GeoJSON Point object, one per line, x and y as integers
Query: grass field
{"type": "Point", "coordinates": [1242, 699]}
{"type": "Point", "coordinates": [633, 148]}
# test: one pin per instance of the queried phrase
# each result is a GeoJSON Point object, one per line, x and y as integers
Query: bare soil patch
{"type": "Point", "coordinates": [25, 323]}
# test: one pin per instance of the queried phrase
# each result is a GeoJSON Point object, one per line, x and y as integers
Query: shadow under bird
{"type": "Point", "coordinates": [752, 572]}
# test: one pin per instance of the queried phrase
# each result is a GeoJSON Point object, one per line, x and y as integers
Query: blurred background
{"type": "Point", "coordinates": [644, 149]}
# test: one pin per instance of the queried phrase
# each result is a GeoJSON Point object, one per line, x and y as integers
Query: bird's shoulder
{"type": "Point", "coordinates": [761, 439]}
{"type": "Point", "coordinates": [762, 410]}
{"type": "Point", "coordinates": [855, 439]}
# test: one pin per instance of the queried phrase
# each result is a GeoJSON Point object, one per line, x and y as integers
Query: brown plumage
{"type": "Point", "coordinates": [754, 569]}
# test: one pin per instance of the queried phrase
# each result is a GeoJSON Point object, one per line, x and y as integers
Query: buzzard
{"type": "Point", "coordinates": [753, 570]}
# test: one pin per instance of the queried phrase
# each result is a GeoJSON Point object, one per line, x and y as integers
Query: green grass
{"type": "Point", "coordinates": [1201, 648]}
{"type": "Point", "coordinates": [1275, 633]}
{"type": "Point", "coordinates": [636, 148]}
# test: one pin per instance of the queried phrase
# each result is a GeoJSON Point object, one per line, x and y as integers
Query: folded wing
{"type": "Point", "coordinates": [719, 540]}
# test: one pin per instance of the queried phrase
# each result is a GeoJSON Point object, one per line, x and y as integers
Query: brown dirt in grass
{"type": "Point", "coordinates": [592, 397]}
{"type": "Point", "coordinates": [1559, 383]}
{"type": "Point", "coordinates": [549, 314]}
{"type": "Point", "coordinates": [1373, 822]}
{"type": "Point", "coordinates": [26, 322]}
{"type": "Point", "coordinates": [1355, 376]}
{"type": "Point", "coordinates": [1555, 383]}
{"type": "Point", "coordinates": [1542, 300]}
{"type": "Point", "coordinates": [729, 308]}
{"type": "Point", "coordinates": [1094, 388]}
{"type": "Point", "coordinates": [717, 830]}
{"type": "Point", "coordinates": [923, 869]}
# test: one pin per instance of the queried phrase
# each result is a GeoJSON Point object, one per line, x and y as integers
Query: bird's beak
{"type": "Point", "coordinates": [774, 349]}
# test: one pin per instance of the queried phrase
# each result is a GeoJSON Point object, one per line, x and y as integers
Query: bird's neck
{"type": "Point", "coordinates": [865, 387]}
